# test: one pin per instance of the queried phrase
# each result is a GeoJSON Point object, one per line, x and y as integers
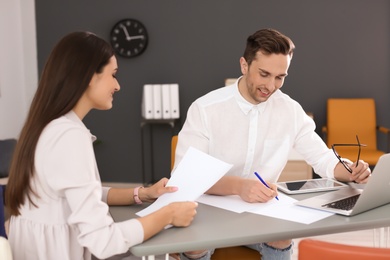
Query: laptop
{"type": "Point", "coordinates": [351, 201]}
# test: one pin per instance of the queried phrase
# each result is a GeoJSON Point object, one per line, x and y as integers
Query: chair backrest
{"type": "Point", "coordinates": [7, 147]}
{"type": "Point", "coordinates": [5, 249]}
{"type": "Point", "coordinates": [173, 149]}
{"type": "Point", "coordinates": [349, 117]}
{"type": "Point", "coordinates": [309, 249]}
{"type": "Point", "coordinates": [2, 212]}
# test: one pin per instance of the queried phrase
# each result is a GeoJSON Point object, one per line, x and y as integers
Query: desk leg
{"type": "Point", "coordinates": [382, 237]}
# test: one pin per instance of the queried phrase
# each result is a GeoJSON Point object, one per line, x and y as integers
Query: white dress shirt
{"type": "Point", "coordinates": [71, 219]}
{"type": "Point", "coordinates": [253, 137]}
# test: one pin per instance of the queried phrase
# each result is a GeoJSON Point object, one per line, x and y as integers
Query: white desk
{"type": "Point", "coordinates": [215, 228]}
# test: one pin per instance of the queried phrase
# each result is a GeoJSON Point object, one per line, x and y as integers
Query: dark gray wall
{"type": "Point", "coordinates": [342, 50]}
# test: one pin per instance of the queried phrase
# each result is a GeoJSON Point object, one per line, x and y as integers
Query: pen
{"type": "Point", "coordinates": [262, 181]}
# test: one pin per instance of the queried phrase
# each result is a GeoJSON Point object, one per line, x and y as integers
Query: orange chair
{"type": "Point", "coordinates": [173, 149]}
{"type": "Point", "coordinates": [233, 253]}
{"type": "Point", "coordinates": [348, 117]}
{"type": "Point", "coordinates": [309, 249]}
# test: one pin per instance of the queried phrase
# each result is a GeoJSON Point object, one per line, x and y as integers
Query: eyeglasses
{"type": "Point", "coordinates": [346, 166]}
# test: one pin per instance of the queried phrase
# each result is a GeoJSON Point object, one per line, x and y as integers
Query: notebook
{"type": "Point", "coordinates": [351, 201]}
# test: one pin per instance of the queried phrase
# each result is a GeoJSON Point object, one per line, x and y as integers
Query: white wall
{"type": "Point", "coordinates": [18, 64]}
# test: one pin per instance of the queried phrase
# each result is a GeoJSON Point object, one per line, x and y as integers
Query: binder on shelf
{"type": "Point", "coordinates": [157, 100]}
{"type": "Point", "coordinates": [166, 101]}
{"type": "Point", "coordinates": [147, 102]}
{"type": "Point", "coordinates": [160, 101]}
{"type": "Point", "coordinates": [174, 95]}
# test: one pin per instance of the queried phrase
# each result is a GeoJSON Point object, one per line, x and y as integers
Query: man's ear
{"type": "Point", "coordinates": [244, 66]}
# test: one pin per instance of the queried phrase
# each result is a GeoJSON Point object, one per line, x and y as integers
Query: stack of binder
{"type": "Point", "coordinates": [160, 101]}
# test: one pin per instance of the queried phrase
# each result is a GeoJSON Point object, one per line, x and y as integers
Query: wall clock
{"type": "Point", "coordinates": [129, 38]}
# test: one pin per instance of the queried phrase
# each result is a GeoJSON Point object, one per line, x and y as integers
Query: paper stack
{"type": "Point", "coordinates": [160, 101]}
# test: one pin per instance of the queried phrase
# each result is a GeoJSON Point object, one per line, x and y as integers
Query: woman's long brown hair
{"type": "Point", "coordinates": [66, 75]}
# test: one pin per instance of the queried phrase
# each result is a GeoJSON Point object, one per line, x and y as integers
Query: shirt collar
{"type": "Point", "coordinates": [71, 115]}
{"type": "Point", "coordinates": [244, 105]}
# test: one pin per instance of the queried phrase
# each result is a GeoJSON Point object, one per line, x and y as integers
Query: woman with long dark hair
{"type": "Point", "coordinates": [58, 207]}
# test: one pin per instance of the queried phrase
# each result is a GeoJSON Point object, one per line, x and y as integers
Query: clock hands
{"type": "Point", "coordinates": [136, 37]}
{"type": "Point", "coordinates": [126, 32]}
{"type": "Point", "coordinates": [128, 37]}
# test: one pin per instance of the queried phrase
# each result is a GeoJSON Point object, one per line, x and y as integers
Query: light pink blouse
{"type": "Point", "coordinates": [71, 219]}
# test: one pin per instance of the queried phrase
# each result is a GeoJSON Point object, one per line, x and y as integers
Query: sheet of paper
{"type": "Point", "coordinates": [284, 208]}
{"type": "Point", "coordinates": [232, 202]}
{"type": "Point", "coordinates": [193, 176]}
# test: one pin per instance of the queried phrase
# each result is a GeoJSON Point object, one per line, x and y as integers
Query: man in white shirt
{"type": "Point", "coordinates": [253, 125]}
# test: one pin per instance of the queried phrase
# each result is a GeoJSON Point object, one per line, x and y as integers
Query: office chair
{"type": "Point", "coordinates": [2, 212]}
{"type": "Point", "coordinates": [233, 253]}
{"type": "Point", "coordinates": [5, 248]}
{"type": "Point", "coordinates": [173, 149]}
{"type": "Point", "coordinates": [309, 249]}
{"type": "Point", "coordinates": [348, 117]}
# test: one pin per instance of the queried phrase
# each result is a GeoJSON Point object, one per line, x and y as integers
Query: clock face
{"type": "Point", "coordinates": [129, 38]}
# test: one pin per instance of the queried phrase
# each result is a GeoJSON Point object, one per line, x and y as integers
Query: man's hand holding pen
{"type": "Point", "coordinates": [253, 190]}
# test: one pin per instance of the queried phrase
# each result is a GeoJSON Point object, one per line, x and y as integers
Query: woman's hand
{"type": "Point", "coordinates": [182, 213]}
{"type": "Point", "coordinates": [150, 194]}
{"type": "Point", "coordinates": [179, 214]}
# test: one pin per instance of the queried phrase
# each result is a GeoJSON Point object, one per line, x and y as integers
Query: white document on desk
{"type": "Point", "coordinates": [231, 202]}
{"type": "Point", "coordinates": [284, 208]}
{"type": "Point", "coordinates": [193, 176]}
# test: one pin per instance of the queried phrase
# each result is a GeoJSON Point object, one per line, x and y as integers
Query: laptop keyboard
{"type": "Point", "coordinates": [344, 204]}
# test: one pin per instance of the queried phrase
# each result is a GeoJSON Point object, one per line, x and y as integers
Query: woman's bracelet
{"type": "Point", "coordinates": [135, 196]}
